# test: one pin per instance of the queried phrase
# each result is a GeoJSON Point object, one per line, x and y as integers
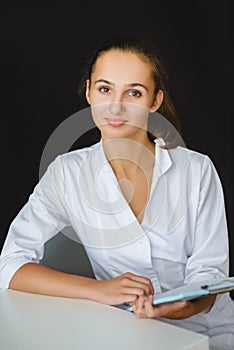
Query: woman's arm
{"type": "Point", "coordinates": [177, 310]}
{"type": "Point", "coordinates": [35, 278]}
{"type": "Point", "coordinates": [43, 216]}
{"type": "Point", "coordinates": [209, 257]}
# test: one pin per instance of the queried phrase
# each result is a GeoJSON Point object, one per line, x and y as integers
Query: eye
{"type": "Point", "coordinates": [134, 93]}
{"type": "Point", "coordinates": [104, 90]}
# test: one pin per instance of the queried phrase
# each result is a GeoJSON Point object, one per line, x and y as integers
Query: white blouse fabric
{"type": "Point", "coordinates": [183, 237]}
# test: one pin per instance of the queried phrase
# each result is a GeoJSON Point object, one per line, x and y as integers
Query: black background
{"type": "Point", "coordinates": [43, 48]}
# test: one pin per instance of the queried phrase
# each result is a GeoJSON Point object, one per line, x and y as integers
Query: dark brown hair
{"type": "Point", "coordinates": [170, 130]}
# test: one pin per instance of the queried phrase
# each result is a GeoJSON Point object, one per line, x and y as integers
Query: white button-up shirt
{"type": "Point", "coordinates": [183, 236]}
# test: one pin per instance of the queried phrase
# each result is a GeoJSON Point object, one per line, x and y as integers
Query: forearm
{"type": "Point", "coordinates": [35, 278]}
{"type": "Point", "coordinates": [203, 304]}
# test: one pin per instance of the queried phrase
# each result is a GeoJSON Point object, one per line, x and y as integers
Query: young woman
{"type": "Point", "coordinates": [149, 212]}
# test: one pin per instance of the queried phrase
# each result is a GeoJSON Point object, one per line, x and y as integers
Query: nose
{"type": "Point", "coordinates": [116, 106]}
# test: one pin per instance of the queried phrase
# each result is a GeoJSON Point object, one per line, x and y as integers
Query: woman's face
{"type": "Point", "coordinates": [121, 94]}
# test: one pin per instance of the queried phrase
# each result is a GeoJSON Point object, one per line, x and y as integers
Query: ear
{"type": "Point", "coordinates": [87, 91]}
{"type": "Point", "coordinates": [157, 101]}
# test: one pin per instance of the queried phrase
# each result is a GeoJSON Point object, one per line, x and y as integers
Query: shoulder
{"type": "Point", "coordinates": [76, 157]}
{"type": "Point", "coordinates": [201, 164]}
{"type": "Point", "coordinates": [195, 158]}
{"type": "Point", "coordinates": [182, 155]}
{"type": "Point", "coordinates": [188, 152]}
{"type": "Point", "coordinates": [70, 162]}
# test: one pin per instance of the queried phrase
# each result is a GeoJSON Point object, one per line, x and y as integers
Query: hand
{"type": "Point", "coordinates": [125, 288]}
{"type": "Point", "coordinates": [177, 310]}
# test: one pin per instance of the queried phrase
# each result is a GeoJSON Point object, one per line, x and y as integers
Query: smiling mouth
{"type": "Point", "coordinates": [115, 121]}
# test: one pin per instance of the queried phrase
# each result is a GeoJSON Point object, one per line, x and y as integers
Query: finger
{"type": "Point", "coordinates": [139, 308]}
{"type": "Point", "coordinates": [134, 284]}
{"type": "Point", "coordinates": [182, 303]}
{"type": "Point", "coordinates": [140, 312]}
{"type": "Point", "coordinates": [140, 303]}
{"type": "Point", "coordinates": [149, 308]}
{"type": "Point", "coordinates": [128, 298]}
{"type": "Point", "coordinates": [145, 280]}
{"type": "Point", "coordinates": [133, 291]}
{"type": "Point", "coordinates": [168, 310]}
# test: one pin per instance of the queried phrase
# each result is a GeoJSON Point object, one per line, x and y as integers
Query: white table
{"type": "Point", "coordinates": [37, 322]}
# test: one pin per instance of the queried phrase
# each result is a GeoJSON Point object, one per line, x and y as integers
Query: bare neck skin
{"type": "Point", "coordinates": [132, 163]}
{"type": "Point", "coordinates": [126, 155]}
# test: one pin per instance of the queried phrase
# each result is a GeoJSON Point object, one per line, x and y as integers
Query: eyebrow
{"type": "Point", "coordinates": [128, 85]}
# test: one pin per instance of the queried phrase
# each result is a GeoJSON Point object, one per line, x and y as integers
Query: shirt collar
{"type": "Point", "coordinates": [163, 158]}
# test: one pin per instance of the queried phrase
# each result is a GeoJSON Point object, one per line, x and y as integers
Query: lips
{"type": "Point", "coordinates": [115, 122]}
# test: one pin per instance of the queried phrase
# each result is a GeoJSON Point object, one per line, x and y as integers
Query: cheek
{"type": "Point", "coordinates": [138, 115]}
{"type": "Point", "coordinates": [96, 98]}
{"type": "Point", "coordinates": [99, 111]}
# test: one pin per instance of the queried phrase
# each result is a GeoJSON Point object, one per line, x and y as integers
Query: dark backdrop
{"type": "Point", "coordinates": [42, 50]}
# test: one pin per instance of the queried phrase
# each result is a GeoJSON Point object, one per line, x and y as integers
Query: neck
{"type": "Point", "coordinates": [126, 156]}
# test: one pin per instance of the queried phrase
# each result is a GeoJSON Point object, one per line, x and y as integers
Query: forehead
{"type": "Point", "coordinates": [120, 65]}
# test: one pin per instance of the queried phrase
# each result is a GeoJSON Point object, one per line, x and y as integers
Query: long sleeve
{"type": "Point", "coordinates": [42, 217]}
{"type": "Point", "coordinates": [210, 251]}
